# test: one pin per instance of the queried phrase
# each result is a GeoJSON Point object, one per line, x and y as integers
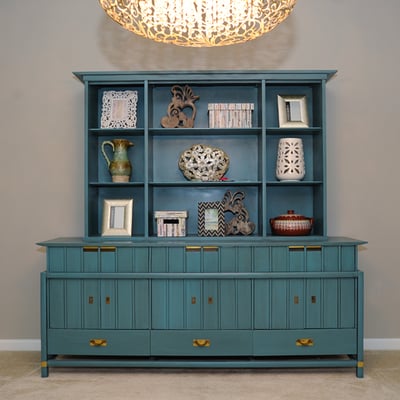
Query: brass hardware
{"type": "Point", "coordinates": [91, 300]}
{"type": "Point", "coordinates": [360, 364]}
{"type": "Point", "coordinates": [90, 248]}
{"type": "Point", "coordinates": [201, 342]}
{"type": "Point", "coordinates": [194, 300]}
{"type": "Point", "coordinates": [108, 300]}
{"type": "Point", "coordinates": [192, 248]}
{"type": "Point", "coordinates": [314, 248]}
{"type": "Point", "coordinates": [296, 299]}
{"type": "Point", "coordinates": [98, 342]}
{"type": "Point", "coordinates": [305, 342]}
{"type": "Point", "coordinates": [210, 300]}
{"type": "Point", "coordinates": [210, 248]}
{"type": "Point", "coordinates": [107, 248]}
{"type": "Point", "coordinates": [296, 248]}
{"type": "Point", "coordinates": [43, 364]}
{"type": "Point", "coordinates": [313, 299]}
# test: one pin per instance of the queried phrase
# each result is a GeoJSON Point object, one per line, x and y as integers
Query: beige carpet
{"type": "Point", "coordinates": [20, 380]}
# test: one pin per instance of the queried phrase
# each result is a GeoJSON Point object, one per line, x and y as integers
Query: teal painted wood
{"type": "Point", "coordinates": [360, 324]}
{"type": "Point", "coordinates": [157, 182]}
{"type": "Point", "coordinates": [44, 369]}
{"type": "Point", "coordinates": [56, 303]}
{"type": "Point", "coordinates": [258, 290]}
{"type": "Point", "coordinates": [213, 363]}
{"type": "Point", "coordinates": [255, 296]}
{"type": "Point", "coordinates": [316, 342]}
{"type": "Point", "coordinates": [296, 301]}
{"type": "Point", "coordinates": [91, 303]}
{"type": "Point", "coordinates": [313, 303]}
{"type": "Point", "coordinates": [330, 309]}
{"type": "Point", "coordinates": [115, 343]}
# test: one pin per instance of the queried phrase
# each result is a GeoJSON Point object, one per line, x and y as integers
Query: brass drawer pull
{"type": "Point", "coordinates": [108, 248]}
{"type": "Point", "coordinates": [314, 248]}
{"type": "Point", "coordinates": [201, 342]}
{"type": "Point", "coordinates": [98, 342]}
{"type": "Point", "coordinates": [296, 248]}
{"type": "Point", "coordinates": [210, 248]}
{"type": "Point", "coordinates": [87, 249]}
{"type": "Point", "coordinates": [192, 248]}
{"type": "Point", "coordinates": [305, 342]}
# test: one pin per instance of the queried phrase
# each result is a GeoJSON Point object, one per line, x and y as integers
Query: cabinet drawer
{"type": "Point", "coordinates": [305, 342]}
{"type": "Point", "coordinates": [98, 342]}
{"type": "Point", "coordinates": [201, 343]}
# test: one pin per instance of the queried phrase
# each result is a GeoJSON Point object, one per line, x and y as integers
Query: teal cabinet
{"type": "Point", "coordinates": [257, 301]}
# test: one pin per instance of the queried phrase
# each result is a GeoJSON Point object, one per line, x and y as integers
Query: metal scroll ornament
{"type": "Point", "coordinates": [182, 98]}
{"type": "Point", "coordinates": [203, 163]}
{"type": "Point", "coordinates": [240, 223]}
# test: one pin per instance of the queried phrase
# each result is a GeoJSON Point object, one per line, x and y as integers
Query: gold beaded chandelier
{"type": "Point", "coordinates": [199, 23]}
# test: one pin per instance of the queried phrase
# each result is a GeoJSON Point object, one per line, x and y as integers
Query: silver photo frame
{"type": "Point", "coordinates": [292, 111]}
{"type": "Point", "coordinates": [117, 217]}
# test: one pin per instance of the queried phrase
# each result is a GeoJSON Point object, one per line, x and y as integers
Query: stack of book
{"type": "Point", "coordinates": [230, 115]}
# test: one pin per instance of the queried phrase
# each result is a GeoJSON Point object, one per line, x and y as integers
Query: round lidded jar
{"type": "Point", "coordinates": [291, 224]}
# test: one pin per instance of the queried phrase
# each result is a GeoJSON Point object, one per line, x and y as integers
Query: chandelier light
{"type": "Point", "coordinates": [199, 23]}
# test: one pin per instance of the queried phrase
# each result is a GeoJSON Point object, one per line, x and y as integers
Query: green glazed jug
{"type": "Point", "coordinates": [120, 167]}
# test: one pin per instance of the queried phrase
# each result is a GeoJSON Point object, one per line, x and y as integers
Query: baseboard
{"type": "Point", "coordinates": [34, 344]}
{"type": "Point", "coordinates": [19, 344]}
{"type": "Point", "coordinates": [382, 344]}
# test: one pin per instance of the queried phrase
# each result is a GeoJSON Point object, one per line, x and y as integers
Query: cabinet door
{"type": "Point", "coordinates": [196, 303]}
{"type": "Point", "coordinates": [99, 304]}
{"type": "Point", "coordinates": [305, 303]}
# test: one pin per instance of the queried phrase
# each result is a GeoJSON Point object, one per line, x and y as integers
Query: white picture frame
{"type": "Point", "coordinates": [117, 217]}
{"type": "Point", "coordinates": [119, 109]}
{"type": "Point", "coordinates": [292, 111]}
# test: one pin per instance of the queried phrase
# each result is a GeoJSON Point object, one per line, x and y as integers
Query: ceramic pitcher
{"type": "Point", "coordinates": [120, 167]}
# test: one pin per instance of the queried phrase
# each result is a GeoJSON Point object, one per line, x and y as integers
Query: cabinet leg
{"type": "Point", "coordinates": [44, 370]}
{"type": "Point", "coordinates": [360, 369]}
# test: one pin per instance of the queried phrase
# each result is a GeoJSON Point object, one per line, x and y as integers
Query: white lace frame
{"type": "Point", "coordinates": [119, 109]}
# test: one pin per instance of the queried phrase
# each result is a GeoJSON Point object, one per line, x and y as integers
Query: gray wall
{"type": "Point", "coordinates": [41, 108]}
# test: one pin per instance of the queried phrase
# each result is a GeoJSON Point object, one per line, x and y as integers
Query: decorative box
{"type": "Point", "coordinates": [171, 223]}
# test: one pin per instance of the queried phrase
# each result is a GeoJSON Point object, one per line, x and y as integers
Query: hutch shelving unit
{"type": "Point", "coordinates": [254, 301]}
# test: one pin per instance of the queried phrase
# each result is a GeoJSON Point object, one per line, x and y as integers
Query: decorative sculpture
{"type": "Point", "coordinates": [182, 97]}
{"type": "Point", "coordinates": [203, 163]}
{"type": "Point", "coordinates": [240, 223]}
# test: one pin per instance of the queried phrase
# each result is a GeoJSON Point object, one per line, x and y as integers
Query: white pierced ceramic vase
{"type": "Point", "coordinates": [290, 162]}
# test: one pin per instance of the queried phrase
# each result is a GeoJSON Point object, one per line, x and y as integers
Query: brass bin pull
{"type": "Point", "coordinates": [314, 248]}
{"type": "Point", "coordinates": [210, 248]}
{"type": "Point", "coordinates": [296, 248]}
{"type": "Point", "coordinates": [305, 342]}
{"type": "Point", "coordinates": [201, 342]}
{"type": "Point", "coordinates": [192, 248]}
{"type": "Point", "coordinates": [108, 249]}
{"type": "Point", "coordinates": [90, 249]}
{"type": "Point", "coordinates": [98, 342]}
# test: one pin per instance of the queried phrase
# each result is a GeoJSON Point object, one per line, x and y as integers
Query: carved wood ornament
{"type": "Point", "coordinates": [240, 223]}
{"type": "Point", "coordinates": [182, 97]}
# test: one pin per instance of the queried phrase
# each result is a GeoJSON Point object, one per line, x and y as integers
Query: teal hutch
{"type": "Point", "coordinates": [241, 301]}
